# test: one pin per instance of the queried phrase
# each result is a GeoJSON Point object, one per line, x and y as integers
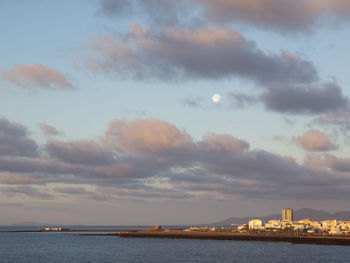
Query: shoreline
{"type": "Point", "coordinates": [314, 240]}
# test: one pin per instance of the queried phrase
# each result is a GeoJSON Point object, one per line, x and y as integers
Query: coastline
{"type": "Point", "coordinates": [176, 234]}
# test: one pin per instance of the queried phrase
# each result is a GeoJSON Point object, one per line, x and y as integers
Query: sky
{"type": "Point", "coordinates": [107, 116]}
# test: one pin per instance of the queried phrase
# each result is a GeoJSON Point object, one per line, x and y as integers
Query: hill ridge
{"type": "Point", "coordinates": [313, 214]}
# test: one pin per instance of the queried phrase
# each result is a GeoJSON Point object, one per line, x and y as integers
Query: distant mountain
{"type": "Point", "coordinates": [244, 220]}
{"type": "Point", "coordinates": [299, 214]}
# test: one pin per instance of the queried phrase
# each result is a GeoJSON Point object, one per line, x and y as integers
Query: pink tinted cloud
{"type": "Point", "coordinates": [87, 152]}
{"type": "Point", "coordinates": [11, 178]}
{"type": "Point", "coordinates": [335, 163]}
{"type": "Point", "coordinates": [152, 135]}
{"type": "Point", "coordinates": [315, 141]}
{"type": "Point", "coordinates": [340, 118]}
{"type": "Point", "coordinates": [126, 161]}
{"type": "Point", "coordinates": [280, 15]}
{"type": "Point", "coordinates": [48, 130]}
{"type": "Point", "coordinates": [223, 142]}
{"type": "Point", "coordinates": [36, 76]}
{"type": "Point", "coordinates": [285, 16]}
{"type": "Point", "coordinates": [205, 53]}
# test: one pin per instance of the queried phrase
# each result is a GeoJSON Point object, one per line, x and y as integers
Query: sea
{"type": "Point", "coordinates": [62, 247]}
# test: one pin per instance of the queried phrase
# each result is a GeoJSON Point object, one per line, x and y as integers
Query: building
{"type": "Point", "coordinates": [200, 229]}
{"type": "Point", "coordinates": [287, 214]}
{"type": "Point", "coordinates": [298, 226]}
{"type": "Point", "coordinates": [315, 225]}
{"type": "Point", "coordinates": [255, 224]}
{"type": "Point", "coordinates": [52, 229]}
{"type": "Point", "coordinates": [273, 224]}
{"type": "Point", "coordinates": [344, 225]}
{"type": "Point", "coordinates": [327, 225]}
{"type": "Point", "coordinates": [242, 227]}
{"type": "Point", "coordinates": [155, 228]}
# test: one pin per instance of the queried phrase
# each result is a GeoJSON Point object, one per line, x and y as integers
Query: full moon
{"type": "Point", "coordinates": [216, 97]}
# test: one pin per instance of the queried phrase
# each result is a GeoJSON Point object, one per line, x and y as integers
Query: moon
{"type": "Point", "coordinates": [216, 98]}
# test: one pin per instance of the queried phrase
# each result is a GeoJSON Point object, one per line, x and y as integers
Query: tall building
{"type": "Point", "coordinates": [287, 214]}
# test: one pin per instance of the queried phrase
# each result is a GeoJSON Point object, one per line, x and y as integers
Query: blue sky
{"type": "Point", "coordinates": [106, 105]}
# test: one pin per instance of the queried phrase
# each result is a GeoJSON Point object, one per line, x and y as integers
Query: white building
{"type": "Point", "coordinates": [242, 227]}
{"type": "Point", "coordinates": [328, 224]}
{"type": "Point", "coordinates": [298, 226]}
{"type": "Point", "coordinates": [52, 229]}
{"type": "Point", "coordinates": [255, 224]}
{"type": "Point", "coordinates": [344, 225]}
{"type": "Point", "coordinates": [273, 224]}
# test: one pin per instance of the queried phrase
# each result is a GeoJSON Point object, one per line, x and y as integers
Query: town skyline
{"type": "Point", "coordinates": [117, 112]}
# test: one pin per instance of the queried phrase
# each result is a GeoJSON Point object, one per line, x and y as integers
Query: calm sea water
{"type": "Point", "coordinates": [71, 247]}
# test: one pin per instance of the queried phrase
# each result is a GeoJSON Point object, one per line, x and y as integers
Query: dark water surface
{"type": "Point", "coordinates": [71, 247]}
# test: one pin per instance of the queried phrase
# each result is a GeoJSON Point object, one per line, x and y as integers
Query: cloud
{"type": "Point", "coordinates": [106, 192]}
{"type": "Point", "coordinates": [147, 192]}
{"type": "Point", "coordinates": [206, 53]}
{"type": "Point", "coordinates": [26, 191]}
{"type": "Point", "coordinates": [326, 98]}
{"type": "Point", "coordinates": [10, 178]}
{"type": "Point", "coordinates": [72, 190]}
{"type": "Point", "coordinates": [14, 140]}
{"type": "Point", "coordinates": [259, 174]}
{"type": "Point", "coordinates": [336, 164]}
{"type": "Point", "coordinates": [285, 16]}
{"type": "Point", "coordinates": [48, 130]}
{"type": "Point", "coordinates": [80, 152]}
{"type": "Point", "coordinates": [152, 159]}
{"type": "Point", "coordinates": [113, 7]}
{"type": "Point", "coordinates": [157, 12]}
{"type": "Point", "coordinates": [38, 165]}
{"type": "Point", "coordinates": [338, 117]}
{"type": "Point", "coordinates": [193, 101]}
{"type": "Point", "coordinates": [241, 100]}
{"type": "Point", "coordinates": [275, 15]}
{"type": "Point", "coordinates": [258, 165]}
{"type": "Point", "coordinates": [36, 76]}
{"type": "Point", "coordinates": [13, 128]}
{"type": "Point", "coordinates": [305, 99]}
{"type": "Point", "coordinates": [289, 121]}
{"type": "Point", "coordinates": [11, 204]}
{"type": "Point", "coordinates": [338, 120]}
{"type": "Point", "coordinates": [81, 191]}
{"type": "Point", "coordinates": [148, 137]}
{"type": "Point", "coordinates": [222, 143]}
{"type": "Point", "coordinates": [315, 141]}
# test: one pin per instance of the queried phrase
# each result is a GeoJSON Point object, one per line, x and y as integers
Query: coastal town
{"type": "Point", "coordinates": [285, 225]}
{"type": "Point", "coordinates": [285, 229]}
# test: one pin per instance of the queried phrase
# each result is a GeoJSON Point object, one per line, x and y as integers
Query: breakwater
{"type": "Point", "coordinates": [317, 240]}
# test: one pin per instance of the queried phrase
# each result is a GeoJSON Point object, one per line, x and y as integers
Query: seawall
{"type": "Point", "coordinates": [317, 240]}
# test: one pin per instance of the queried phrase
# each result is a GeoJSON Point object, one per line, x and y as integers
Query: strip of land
{"type": "Point", "coordinates": [277, 237]}
{"type": "Point", "coordinates": [67, 230]}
